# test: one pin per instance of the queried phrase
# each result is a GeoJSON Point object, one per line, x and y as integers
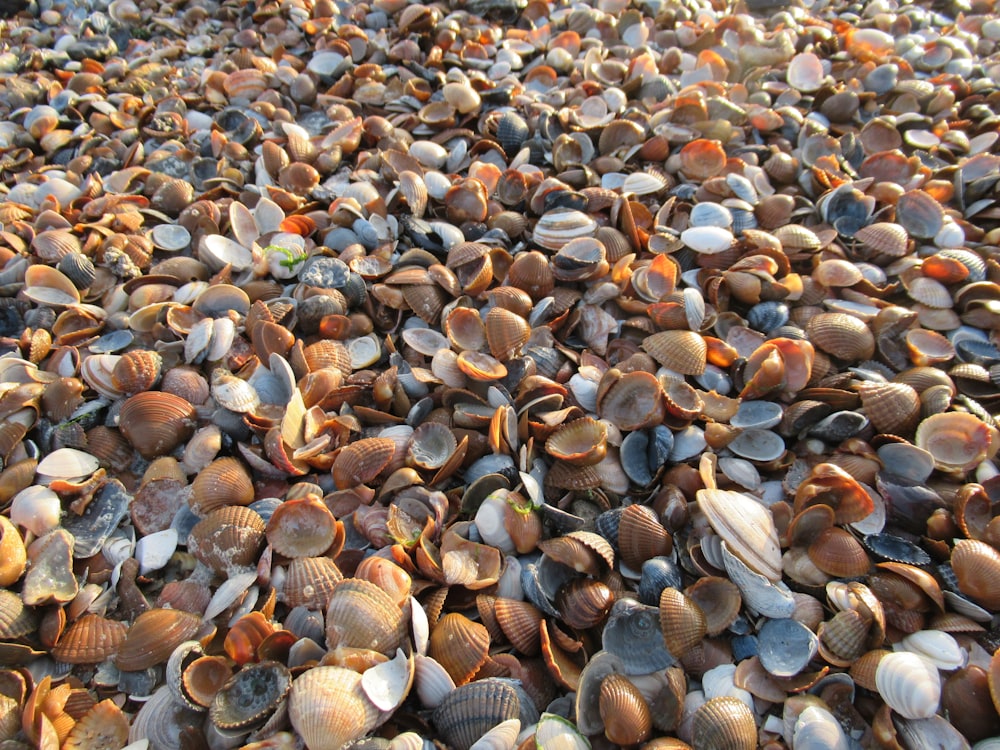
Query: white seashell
{"type": "Point", "coordinates": [557, 227]}
{"type": "Point", "coordinates": [154, 551]}
{"type": "Point", "coordinates": [36, 509]}
{"type": "Point", "coordinates": [643, 183]}
{"type": "Point", "coordinates": [233, 393]}
{"type": "Point", "coordinates": [419, 626]}
{"type": "Point", "coordinates": [759, 594]}
{"type": "Point", "coordinates": [909, 684]}
{"type": "Point", "coordinates": [285, 255]}
{"type": "Point", "coordinates": [198, 341]}
{"type": "Point", "coordinates": [805, 72]}
{"type": "Point", "coordinates": [817, 729]}
{"type": "Point", "coordinates": [66, 463]}
{"type": "Point", "coordinates": [217, 252]}
{"type": "Point", "coordinates": [387, 684]}
{"type": "Point", "coordinates": [939, 648]}
{"type": "Point", "coordinates": [433, 682]}
{"type": "Point", "coordinates": [707, 240]}
{"type": "Point", "coordinates": [741, 471]}
{"type": "Point", "coordinates": [364, 351]}
{"type": "Point", "coordinates": [509, 585]}
{"type": "Point", "coordinates": [267, 214]}
{"type": "Point", "coordinates": [489, 522]}
{"type": "Point", "coordinates": [584, 387]}
{"type": "Point", "coordinates": [96, 372]}
{"type": "Point", "coordinates": [231, 590]}
{"type": "Point", "coordinates": [170, 238]}
{"type": "Point", "coordinates": [223, 335]}
{"type": "Point", "coordinates": [501, 737]}
{"type": "Point", "coordinates": [429, 154]}
{"type": "Point", "coordinates": [409, 741]}
{"type": "Point", "coordinates": [720, 682]}
{"type": "Point", "coordinates": [711, 215]}
{"type": "Point", "coordinates": [437, 184]}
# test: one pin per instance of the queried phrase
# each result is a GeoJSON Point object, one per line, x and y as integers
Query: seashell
{"type": "Point", "coordinates": [920, 215]}
{"type": "Point", "coordinates": [460, 646]}
{"type": "Point", "coordinates": [223, 482]}
{"type": "Point", "coordinates": [67, 464]}
{"type": "Point", "coordinates": [506, 333]}
{"type": "Point", "coordinates": [909, 684]}
{"type": "Point", "coordinates": [785, 647]}
{"type": "Point", "coordinates": [362, 461]}
{"type": "Point", "coordinates": [633, 401]}
{"type": "Point", "coordinates": [470, 711]}
{"type": "Point", "coordinates": [702, 158]}
{"type": "Point", "coordinates": [250, 696]}
{"type": "Point", "coordinates": [79, 269]}
{"type": "Point", "coordinates": [361, 615]}
{"type": "Point", "coordinates": [89, 640]}
{"type": "Point", "coordinates": [624, 711]}
{"type": "Point", "coordinates": [557, 227]}
{"type": "Point", "coordinates": [328, 708]}
{"type": "Point", "coordinates": [684, 352]}
{"type": "Point", "coordinates": [49, 578]}
{"type": "Point", "coordinates": [217, 252]}
{"type": "Point", "coordinates": [682, 621]}
{"type": "Point", "coordinates": [153, 636]}
{"type": "Point", "coordinates": [839, 554]}
{"type": "Point", "coordinates": [582, 442]}
{"type": "Point", "coordinates": [958, 441]}
{"type": "Point", "coordinates": [975, 565]}
{"type": "Point", "coordinates": [641, 536]}
{"type": "Point", "coordinates": [511, 132]}
{"type": "Point", "coordinates": [530, 273]}
{"type": "Point", "coordinates": [707, 240]}
{"type": "Point", "coordinates": [724, 722]}
{"type": "Point", "coordinates": [431, 446]}
{"type": "Point", "coordinates": [233, 393]}
{"type": "Point", "coordinates": [228, 538]}
{"type": "Point", "coordinates": [47, 286]}
{"type": "Point", "coordinates": [580, 259]}
{"type": "Point", "coordinates": [941, 649]}
{"type": "Point", "coordinates": [520, 623]}
{"type": "Point", "coordinates": [155, 422]}
{"type": "Point", "coordinates": [805, 72]}
{"type": "Point", "coordinates": [747, 528]}
{"type": "Point", "coordinates": [893, 408]}
{"type": "Point", "coordinates": [844, 638]}
{"type": "Point", "coordinates": [632, 634]}
{"type": "Point", "coordinates": [583, 603]}
{"type": "Point", "coordinates": [137, 371]}
{"type": "Point", "coordinates": [301, 527]}
{"type": "Point", "coordinates": [309, 582]}
{"type": "Point", "coordinates": [842, 336]}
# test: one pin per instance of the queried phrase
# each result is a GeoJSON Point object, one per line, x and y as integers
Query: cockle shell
{"type": "Point", "coordinates": [909, 684]}
{"type": "Point", "coordinates": [328, 708]}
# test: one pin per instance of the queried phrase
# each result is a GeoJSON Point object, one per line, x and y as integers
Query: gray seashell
{"type": "Point", "coordinates": [971, 350]}
{"type": "Point", "coordinates": [588, 715]}
{"type": "Point", "coordinates": [839, 426]}
{"type": "Point", "coordinates": [632, 633]}
{"type": "Point", "coordinates": [101, 517]}
{"type": "Point", "coordinates": [325, 273]}
{"type": "Point", "coordinates": [786, 646]}
{"type": "Point", "coordinates": [761, 415]}
{"type": "Point", "coordinates": [536, 584]}
{"type": "Point", "coordinates": [711, 215]}
{"type": "Point", "coordinates": [766, 316]}
{"type": "Point", "coordinates": [471, 710]}
{"type": "Point", "coordinates": [742, 188]}
{"type": "Point", "coordinates": [743, 220]}
{"type": "Point", "coordinates": [758, 445]}
{"type": "Point", "coordinates": [79, 269]}
{"type": "Point", "coordinates": [115, 341]}
{"type": "Point", "coordinates": [759, 594]}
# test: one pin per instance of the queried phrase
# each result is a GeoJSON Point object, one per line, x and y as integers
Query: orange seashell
{"type": "Point", "coordinates": [893, 408]}
{"type": "Point", "coordinates": [459, 645]}
{"type": "Point", "coordinates": [684, 352]}
{"type": "Point", "coordinates": [631, 401]}
{"type": "Point", "coordinates": [361, 461]}
{"type": "Point", "coordinates": [584, 602]}
{"type": "Point", "coordinates": [155, 422]}
{"type": "Point", "coordinates": [530, 272]}
{"type": "Point", "coordinates": [583, 551]}
{"type": "Point", "coordinates": [683, 622]}
{"type": "Point", "coordinates": [153, 636]}
{"type": "Point", "coordinates": [520, 623]}
{"type": "Point", "coordinates": [842, 336]}
{"type": "Point", "coordinates": [828, 484]}
{"type": "Point", "coordinates": [223, 482]}
{"type": "Point", "coordinates": [387, 575]}
{"type": "Point", "coordinates": [702, 158]}
{"type": "Point", "coordinates": [641, 536]}
{"type": "Point", "coordinates": [976, 567]}
{"type": "Point", "coordinates": [137, 371]}
{"type": "Point", "coordinates": [582, 442]}
{"type": "Point", "coordinates": [90, 640]}
{"type": "Point", "coordinates": [724, 722]}
{"type": "Point", "coordinates": [246, 635]}
{"type": "Point", "coordinates": [309, 582]}
{"type": "Point", "coordinates": [839, 554]}
{"type": "Point", "coordinates": [506, 332]}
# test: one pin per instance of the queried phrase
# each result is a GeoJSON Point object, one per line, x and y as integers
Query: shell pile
{"type": "Point", "coordinates": [493, 374]}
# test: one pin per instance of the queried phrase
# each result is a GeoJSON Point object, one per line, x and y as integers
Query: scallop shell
{"type": "Point", "coordinates": [225, 481]}
{"type": "Point", "coordinates": [309, 582]}
{"type": "Point", "coordinates": [839, 554]}
{"type": "Point", "coordinates": [976, 567]}
{"type": "Point", "coordinates": [506, 332]}
{"type": "Point", "coordinates": [893, 408]}
{"type": "Point", "coordinates": [470, 711]}
{"type": "Point", "coordinates": [361, 615]}
{"type": "Point", "coordinates": [624, 711]}
{"type": "Point", "coordinates": [459, 645]}
{"type": "Point", "coordinates": [684, 352]}
{"type": "Point", "coordinates": [361, 461]}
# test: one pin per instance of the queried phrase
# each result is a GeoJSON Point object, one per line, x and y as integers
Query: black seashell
{"type": "Point", "coordinates": [607, 524]}
{"type": "Point", "coordinates": [839, 426]}
{"type": "Point", "coordinates": [658, 573]}
{"type": "Point", "coordinates": [895, 549]}
{"type": "Point", "coordinates": [978, 352]}
{"type": "Point", "coordinates": [512, 132]}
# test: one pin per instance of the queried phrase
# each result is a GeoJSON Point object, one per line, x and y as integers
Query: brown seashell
{"type": "Point", "coordinates": [724, 722]}
{"type": "Point", "coordinates": [223, 482]}
{"type": "Point", "coordinates": [303, 527]}
{"type": "Point", "coordinates": [842, 336]}
{"type": "Point", "coordinates": [13, 554]}
{"type": "Point", "coordinates": [202, 679]}
{"type": "Point", "coordinates": [328, 353]}
{"type": "Point", "coordinates": [846, 635]}
{"type": "Point", "coordinates": [641, 536]}
{"type": "Point", "coordinates": [624, 711]}
{"type": "Point", "coordinates": [582, 442]}
{"type": "Point", "coordinates": [309, 582]}
{"type": "Point", "coordinates": [361, 615]}
{"type": "Point", "coordinates": [481, 367]}
{"type": "Point", "coordinates": [702, 158]}
{"type": "Point", "coordinates": [89, 640]}
{"type": "Point", "coordinates": [839, 554]}
{"type": "Point", "coordinates": [719, 600]}
{"type": "Point", "coordinates": [583, 551]}
{"type": "Point", "coordinates": [884, 237]}
{"type": "Point", "coordinates": [16, 620]}
{"type": "Point", "coordinates": [520, 622]}
{"type": "Point", "coordinates": [632, 401]}
{"type": "Point", "coordinates": [893, 408]}
{"type": "Point", "coordinates": [387, 575]}
{"type": "Point", "coordinates": [584, 603]}
{"type": "Point", "coordinates": [506, 332]}
{"type": "Point", "coordinates": [155, 422]}
{"type": "Point", "coordinates": [465, 329]}
{"type": "Point", "coordinates": [137, 371]}
{"type": "Point", "coordinates": [683, 622]}
{"type": "Point", "coordinates": [153, 636]}
{"type": "Point", "coordinates": [103, 725]}
{"type": "Point", "coordinates": [362, 461]}
{"type": "Point", "coordinates": [459, 645]}
{"type": "Point", "coordinates": [684, 352]}
{"type": "Point", "coordinates": [530, 272]}
{"type": "Point", "coordinates": [976, 567]}
{"type": "Point", "coordinates": [229, 537]}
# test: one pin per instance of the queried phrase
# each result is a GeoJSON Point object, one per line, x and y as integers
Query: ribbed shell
{"type": "Point", "coordinates": [624, 711]}
{"type": "Point", "coordinates": [519, 621]}
{"type": "Point", "coordinates": [137, 371]}
{"type": "Point", "coordinates": [361, 615]}
{"type": "Point", "coordinates": [362, 461]}
{"type": "Point", "coordinates": [845, 635]}
{"type": "Point", "coordinates": [459, 645]}
{"type": "Point", "coordinates": [15, 619]}
{"type": "Point", "coordinates": [839, 554]}
{"type": "Point", "coordinates": [842, 336]}
{"type": "Point", "coordinates": [223, 482]}
{"type": "Point", "coordinates": [229, 537]}
{"type": "Point", "coordinates": [328, 708]}
{"type": "Point", "coordinates": [89, 640]}
{"type": "Point", "coordinates": [153, 637]}
{"type": "Point", "coordinates": [682, 621]}
{"type": "Point", "coordinates": [977, 568]}
{"type": "Point", "coordinates": [309, 582]}
{"type": "Point", "coordinates": [470, 711]}
{"type": "Point", "coordinates": [641, 536]}
{"type": "Point", "coordinates": [893, 408]}
{"type": "Point", "coordinates": [506, 332]}
{"type": "Point", "coordinates": [682, 351]}
{"type": "Point", "coordinates": [724, 723]}
{"type": "Point", "coordinates": [884, 237]}
{"type": "Point", "coordinates": [155, 422]}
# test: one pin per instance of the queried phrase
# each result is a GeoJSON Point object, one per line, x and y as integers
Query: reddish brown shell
{"type": "Point", "coordinates": [301, 527]}
{"type": "Point", "coordinates": [137, 371]}
{"type": "Point", "coordinates": [89, 640]}
{"type": "Point", "coordinates": [155, 422]}
{"type": "Point", "coordinates": [153, 636]}
{"type": "Point", "coordinates": [682, 351]}
{"type": "Point", "coordinates": [225, 481]}
{"type": "Point", "coordinates": [641, 536]}
{"type": "Point", "coordinates": [624, 711]}
{"type": "Point", "coordinates": [227, 538]}
{"type": "Point", "coordinates": [460, 646]}
{"type": "Point", "coordinates": [724, 722]}
{"type": "Point", "coordinates": [682, 621]}
{"type": "Point", "coordinates": [361, 615]}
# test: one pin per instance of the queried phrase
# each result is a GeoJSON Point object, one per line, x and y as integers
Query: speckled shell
{"type": "Point", "coordinates": [228, 538]}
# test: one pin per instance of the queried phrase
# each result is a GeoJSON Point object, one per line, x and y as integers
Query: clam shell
{"type": "Point", "coordinates": [559, 226]}
{"type": "Point", "coordinates": [976, 566]}
{"type": "Point", "coordinates": [361, 461]}
{"type": "Point", "coordinates": [582, 442]}
{"type": "Point", "coordinates": [155, 422]}
{"type": "Point", "coordinates": [624, 711]}
{"type": "Point", "coordinates": [634, 401]}
{"type": "Point", "coordinates": [361, 615]}
{"type": "Point", "coordinates": [682, 621]}
{"type": "Point", "coordinates": [684, 352]}
{"type": "Point", "coordinates": [472, 710]}
{"type": "Point", "coordinates": [724, 722]}
{"type": "Point", "coordinates": [225, 481]}
{"type": "Point", "coordinates": [228, 538]}
{"type": "Point", "coordinates": [842, 336]}
{"type": "Point", "coordinates": [506, 332]}
{"type": "Point", "coordinates": [641, 536]}
{"type": "Point", "coordinates": [719, 599]}
{"type": "Point", "coordinates": [309, 582]}
{"type": "Point", "coordinates": [893, 408]}
{"type": "Point", "coordinates": [958, 441]}
{"type": "Point", "coordinates": [250, 696]}
{"type": "Point", "coordinates": [301, 527]}
{"type": "Point", "coordinates": [632, 634]}
{"type": "Point", "coordinates": [90, 640]}
{"type": "Point", "coordinates": [746, 526]}
{"type": "Point", "coordinates": [707, 240]}
{"type": "Point", "coordinates": [786, 647]}
{"type": "Point", "coordinates": [153, 636]}
{"type": "Point", "coordinates": [909, 684]}
{"type": "Point", "coordinates": [459, 645]}
{"type": "Point", "coordinates": [328, 708]}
